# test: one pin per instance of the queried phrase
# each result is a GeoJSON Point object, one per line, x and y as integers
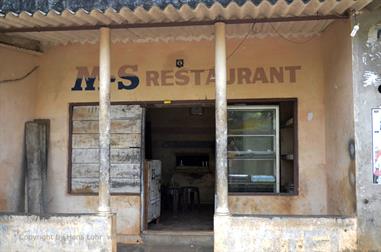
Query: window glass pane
{"type": "Point", "coordinates": [250, 122]}
{"type": "Point", "coordinates": [251, 144]}
{"type": "Point", "coordinates": [252, 149]}
{"type": "Point", "coordinates": [251, 167]}
{"type": "Point", "coordinates": [252, 175]}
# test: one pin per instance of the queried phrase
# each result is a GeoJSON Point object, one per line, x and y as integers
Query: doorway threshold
{"type": "Point", "coordinates": [178, 232]}
{"type": "Point", "coordinates": [178, 238]}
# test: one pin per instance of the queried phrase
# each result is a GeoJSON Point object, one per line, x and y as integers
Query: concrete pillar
{"type": "Point", "coordinates": [104, 120]}
{"type": "Point", "coordinates": [366, 48]}
{"type": "Point", "coordinates": [221, 121]}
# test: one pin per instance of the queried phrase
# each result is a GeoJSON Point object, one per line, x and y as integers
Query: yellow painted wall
{"type": "Point", "coordinates": [336, 44]}
{"type": "Point", "coordinates": [16, 107]}
{"type": "Point", "coordinates": [57, 75]}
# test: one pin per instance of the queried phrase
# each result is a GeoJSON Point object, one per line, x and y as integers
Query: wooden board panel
{"type": "Point", "coordinates": [126, 127]}
{"type": "Point", "coordinates": [117, 126]}
{"type": "Point", "coordinates": [117, 140]}
{"type": "Point", "coordinates": [116, 170]}
{"type": "Point", "coordinates": [118, 185]}
{"type": "Point", "coordinates": [118, 112]}
{"type": "Point", "coordinates": [91, 156]}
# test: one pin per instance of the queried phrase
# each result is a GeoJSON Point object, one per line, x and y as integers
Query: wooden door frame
{"type": "Point", "coordinates": [159, 104]}
{"type": "Point", "coordinates": [209, 103]}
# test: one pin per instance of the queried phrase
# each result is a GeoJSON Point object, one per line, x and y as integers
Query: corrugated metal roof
{"type": "Point", "coordinates": [32, 6]}
{"type": "Point", "coordinates": [297, 30]}
{"type": "Point", "coordinates": [155, 11]}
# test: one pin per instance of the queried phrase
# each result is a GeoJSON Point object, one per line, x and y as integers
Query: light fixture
{"type": "Point", "coordinates": [179, 63]}
{"type": "Point", "coordinates": [354, 30]}
{"type": "Point", "coordinates": [356, 27]}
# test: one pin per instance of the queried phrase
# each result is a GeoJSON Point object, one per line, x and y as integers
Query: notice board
{"type": "Point", "coordinates": [376, 138]}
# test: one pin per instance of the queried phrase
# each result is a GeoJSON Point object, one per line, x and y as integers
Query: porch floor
{"type": "Point", "coordinates": [200, 219]}
{"type": "Point", "coordinates": [172, 241]}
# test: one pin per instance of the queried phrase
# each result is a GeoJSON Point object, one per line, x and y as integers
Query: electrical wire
{"type": "Point", "coordinates": [134, 33]}
{"type": "Point", "coordinates": [242, 41]}
{"type": "Point", "coordinates": [290, 40]}
{"type": "Point", "coordinates": [275, 30]}
{"type": "Point", "coordinates": [20, 78]}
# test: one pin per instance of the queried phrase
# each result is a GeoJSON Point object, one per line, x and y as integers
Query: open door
{"type": "Point", "coordinates": [152, 199]}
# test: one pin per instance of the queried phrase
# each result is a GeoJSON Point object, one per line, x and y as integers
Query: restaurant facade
{"type": "Point", "coordinates": [246, 131]}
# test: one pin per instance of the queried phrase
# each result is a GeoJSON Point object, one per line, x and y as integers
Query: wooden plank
{"type": "Point", "coordinates": [125, 156]}
{"type": "Point", "coordinates": [33, 147]}
{"type": "Point", "coordinates": [117, 140]}
{"type": "Point", "coordinates": [80, 127]}
{"type": "Point", "coordinates": [121, 185]}
{"type": "Point", "coordinates": [44, 125]}
{"type": "Point", "coordinates": [36, 147]}
{"type": "Point", "coordinates": [117, 126]}
{"type": "Point", "coordinates": [118, 112]}
{"type": "Point", "coordinates": [116, 170]}
{"type": "Point", "coordinates": [125, 140]}
{"type": "Point", "coordinates": [118, 185]}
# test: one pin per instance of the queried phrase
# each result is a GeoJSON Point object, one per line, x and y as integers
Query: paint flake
{"type": "Point", "coordinates": [371, 79]}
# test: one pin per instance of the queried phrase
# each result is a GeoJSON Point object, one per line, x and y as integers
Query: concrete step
{"type": "Point", "coordinates": [163, 248]}
{"type": "Point", "coordinates": [178, 238]}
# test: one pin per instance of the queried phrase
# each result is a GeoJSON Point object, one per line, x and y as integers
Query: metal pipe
{"type": "Point", "coordinates": [221, 121]}
{"type": "Point", "coordinates": [104, 120]}
{"type": "Point", "coordinates": [174, 24]}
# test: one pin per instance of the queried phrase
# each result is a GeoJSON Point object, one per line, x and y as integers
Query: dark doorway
{"type": "Point", "coordinates": [183, 139]}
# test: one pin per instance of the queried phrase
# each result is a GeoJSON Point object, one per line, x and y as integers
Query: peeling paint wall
{"type": "Point", "coordinates": [57, 75]}
{"type": "Point", "coordinates": [366, 76]}
{"type": "Point", "coordinates": [64, 233]}
{"type": "Point", "coordinates": [340, 169]}
{"type": "Point", "coordinates": [17, 103]}
{"type": "Point", "coordinates": [309, 89]}
{"type": "Point", "coordinates": [235, 233]}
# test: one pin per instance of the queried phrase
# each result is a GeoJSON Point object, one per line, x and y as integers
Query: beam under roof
{"type": "Point", "coordinates": [172, 24]}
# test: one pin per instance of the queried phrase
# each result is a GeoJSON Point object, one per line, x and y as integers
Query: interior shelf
{"type": "Point", "coordinates": [251, 135]}
{"type": "Point", "coordinates": [251, 155]}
